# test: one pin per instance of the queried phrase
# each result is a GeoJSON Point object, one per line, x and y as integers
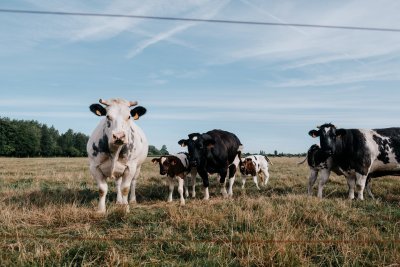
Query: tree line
{"type": "Point", "coordinates": [29, 138]}
{"type": "Point", "coordinates": [24, 138]}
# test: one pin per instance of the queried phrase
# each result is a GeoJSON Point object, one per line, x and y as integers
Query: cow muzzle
{"type": "Point", "coordinates": [119, 138]}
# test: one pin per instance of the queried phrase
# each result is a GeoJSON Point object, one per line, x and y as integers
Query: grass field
{"type": "Point", "coordinates": [47, 218]}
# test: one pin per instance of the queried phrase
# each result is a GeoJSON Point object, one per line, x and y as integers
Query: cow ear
{"type": "Point", "coordinates": [340, 132]}
{"type": "Point", "coordinates": [182, 142]}
{"type": "Point", "coordinates": [98, 109]}
{"type": "Point", "coordinates": [194, 136]}
{"type": "Point", "coordinates": [155, 160]}
{"type": "Point", "coordinates": [313, 133]}
{"type": "Point", "coordinates": [137, 112]}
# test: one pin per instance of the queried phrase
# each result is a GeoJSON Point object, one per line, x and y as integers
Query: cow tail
{"type": "Point", "coordinates": [269, 161]}
{"type": "Point", "coordinates": [301, 162]}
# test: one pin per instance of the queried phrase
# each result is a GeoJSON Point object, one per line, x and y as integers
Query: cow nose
{"type": "Point", "coordinates": [119, 137]}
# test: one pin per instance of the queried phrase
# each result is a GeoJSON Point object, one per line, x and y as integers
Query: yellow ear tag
{"type": "Point", "coordinates": [98, 113]}
{"type": "Point", "coordinates": [136, 117]}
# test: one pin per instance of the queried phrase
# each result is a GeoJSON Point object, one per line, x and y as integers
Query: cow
{"type": "Point", "coordinates": [323, 164]}
{"type": "Point", "coordinates": [177, 166]}
{"type": "Point", "coordinates": [117, 149]}
{"type": "Point", "coordinates": [361, 154]}
{"type": "Point", "coordinates": [215, 151]}
{"type": "Point", "coordinates": [254, 165]}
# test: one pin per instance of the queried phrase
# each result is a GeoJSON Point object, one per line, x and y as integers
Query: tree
{"type": "Point", "coordinates": [48, 142]}
{"type": "Point", "coordinates": [163, 150]}
{"type": "Point", "coordinates": [153, 151]}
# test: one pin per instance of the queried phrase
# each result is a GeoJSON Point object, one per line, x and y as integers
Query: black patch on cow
{"type": "Point", "coordinates": [315, 156]}
{"type": "Point", "coordinates": [383, 146]}
{"type": "Point", "coordinates": [102, 147]}
{"type": "Point", "coordinates": [351, 152]}
{"type": "Point", "coordinates": [394, 139]}
{"type": "Point", "coordinates": [124, 151]}
{"type": "Point", "coordinates": [95, 150]}
{"type": "Point", "coordinates": [232, 170]}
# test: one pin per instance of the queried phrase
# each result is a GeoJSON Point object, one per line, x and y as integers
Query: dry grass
{"type": "Point", "coordinates": [47, 218]}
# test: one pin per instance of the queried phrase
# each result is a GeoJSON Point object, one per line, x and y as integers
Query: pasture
{"type": "Point", "coordinates": [48, 218]}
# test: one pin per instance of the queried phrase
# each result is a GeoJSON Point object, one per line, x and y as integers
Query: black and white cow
{"type": "Point", "coordinates": [323, 164]}
{"type": "Point", "coordinates": [216, 151]}
{"type": "Point", "coordinates": [255, 165]}
{"type": "Point", "coordinates": [361, 154]}
{"type": "Point", "coordinates": [177, 166]}
{"type": "Point", "coordinates": [117, 149]}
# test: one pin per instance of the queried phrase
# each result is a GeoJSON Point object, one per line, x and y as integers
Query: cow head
{"type": "Point", "coordinates": [327, 134]}
{"type": "Point", "coordinates": [198, 145]}
{"type": "Point", "coordinates": [165, 163]}
{"type": "Point", "coordinates": [246, 166]}
{"type": "Point", "coordinates": [118, 115]}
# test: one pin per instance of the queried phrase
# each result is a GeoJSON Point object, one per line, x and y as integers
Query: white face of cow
{"type": "Point", "coordinates": [118, 115]}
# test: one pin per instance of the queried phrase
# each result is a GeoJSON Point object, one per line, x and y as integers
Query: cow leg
{"type": "Point", "coordinates": [232, 176]}
{"type": "Point", "coordinates": [193, 173]}
{"type": "Point", "coordinates": [360, 185]}
{"type": "Point", "coordinates": [186, 185]}
{"type": "Point", "coordinates": [118, 182]}
{"type": "Point", "coordinates": [127, 179]}
{"type": "Point", "coordinates": [180, 190]}
{"type": "Point", "coordinates": [243, 180]}
{"type": "Point", "coordinates": [103, 187]}
{"type": "Point", "coordinates": [368, 186]}
{"type": "Point", "coordinates": [222, 181]}
{"type": "Point", "coordinates": [204, 176]}
{"type": "Point", "coordinates": [351, 183]}
{"type": "Point", "coordinates": [266, 176]}
{"type": "Point", "coordinates": [171, 188]}
{"type": "Point", "coordinates": [311, 180]}
{"type": "Point", "coordinates": [255, 180]}
{"type": "Point", "coordinates": [322, 181]}
{"type": "Point", "coordinates": [132, 198]}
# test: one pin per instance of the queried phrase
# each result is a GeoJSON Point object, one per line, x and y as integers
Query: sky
{"type": "Point", "coordinates": [269, 85]}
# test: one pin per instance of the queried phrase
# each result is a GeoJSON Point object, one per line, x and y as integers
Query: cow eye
{"type": "Point", "coordinates": [108, 117]}
{"type": "Point", "coordinates": [128, 118]}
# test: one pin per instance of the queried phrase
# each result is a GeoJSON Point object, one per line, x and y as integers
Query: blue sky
{"type": "Point", "coordinates": [268, 85]}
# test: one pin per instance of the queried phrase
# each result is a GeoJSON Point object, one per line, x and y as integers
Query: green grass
{"type": "Point", "coordinates": [48, 218]}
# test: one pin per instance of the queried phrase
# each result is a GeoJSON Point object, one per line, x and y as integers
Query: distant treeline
{"type": "Point", "coordinates": [21, 138]}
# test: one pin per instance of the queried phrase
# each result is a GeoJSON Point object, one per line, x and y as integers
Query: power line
{"type": "Point", "coordinates": [260, 23]}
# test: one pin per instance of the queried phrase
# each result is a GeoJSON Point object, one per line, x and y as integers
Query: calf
{"type": "Point", "coordinates": [177, 166]}
{"type": "Point", "coordinates": [216, 151]}
{"type": "Point", "coordinates": [117, 149]}
{"type": "Point", "coordinates": [361, 154]}
{"type": "Point", "coordinates": [254, 165]}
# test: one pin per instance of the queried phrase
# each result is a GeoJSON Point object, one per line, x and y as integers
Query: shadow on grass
{"type": "Point", "coordinates": [58, 195]}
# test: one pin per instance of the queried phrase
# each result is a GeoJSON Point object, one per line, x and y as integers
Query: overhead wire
{"type": "Point", "coordinates": [224, 21]}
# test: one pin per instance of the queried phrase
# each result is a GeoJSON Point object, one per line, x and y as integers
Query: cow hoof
{"type": "Point", "coordinates": [182, 203]}
{"type": "Point", "coordinates": [101, 212]}
{"type": "Point", "coordinates": [206, 198]}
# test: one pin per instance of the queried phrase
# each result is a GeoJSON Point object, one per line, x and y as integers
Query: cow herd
{"type": "Point", "coordinates": [117, 149]}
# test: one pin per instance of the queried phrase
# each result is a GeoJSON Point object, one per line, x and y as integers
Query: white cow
{"type": "Point", "coordinates": [117, 149]}
{"type": "Point", "coordinates": [254, 165]}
